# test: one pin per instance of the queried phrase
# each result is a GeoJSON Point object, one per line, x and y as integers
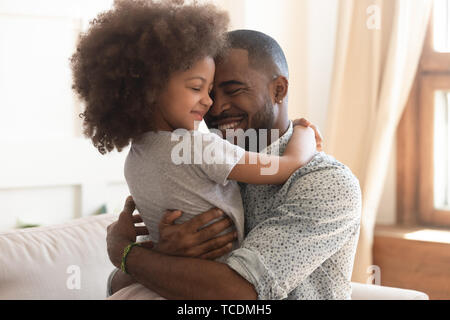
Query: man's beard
{"type": "Point", "coordinates": [264, 120]}
{"type": "Point", "coordinates": [261, 120]}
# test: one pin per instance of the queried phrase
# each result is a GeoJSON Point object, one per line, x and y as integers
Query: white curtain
{"type": "Point", "coordinates": [379, 43]}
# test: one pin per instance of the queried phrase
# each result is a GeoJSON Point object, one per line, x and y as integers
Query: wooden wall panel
{"type": "Point", "coordinates": [412, 264]}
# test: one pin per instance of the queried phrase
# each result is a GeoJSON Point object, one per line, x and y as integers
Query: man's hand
{"type": "Point", "coordinates": [187, 240]}
{"type": "Point", "coordinates": [123, 232]}
{"type": "Point", "coordinates": [186, 278]}
{"type": "Point", "coordinates": [305, 123]}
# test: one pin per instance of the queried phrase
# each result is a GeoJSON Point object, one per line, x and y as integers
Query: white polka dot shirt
{"type": "Point", "coordinates": [301, 237]}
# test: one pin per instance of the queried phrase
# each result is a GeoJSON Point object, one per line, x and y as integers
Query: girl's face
{"type": "Point", "coordinates": [186, 99]}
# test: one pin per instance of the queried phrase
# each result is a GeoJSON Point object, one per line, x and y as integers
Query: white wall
{"type": "Point", "coordinates": [322, 21]}
{"type": "Point", "coordinates": [49, 173]}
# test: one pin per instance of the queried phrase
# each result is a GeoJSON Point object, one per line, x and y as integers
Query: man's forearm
{"type": "Point", "coordinates": [120, 280]}
{"type": "Point", "coordinates": [187, 278]}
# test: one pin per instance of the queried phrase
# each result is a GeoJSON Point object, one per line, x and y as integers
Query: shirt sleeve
{"type": "Point", "coordinates": [216, 157]}
{"type": "Point", "coordinates": [321, 213]}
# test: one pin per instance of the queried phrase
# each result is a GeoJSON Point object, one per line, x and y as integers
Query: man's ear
{"type": "Point", "coordinates": [279, 89]}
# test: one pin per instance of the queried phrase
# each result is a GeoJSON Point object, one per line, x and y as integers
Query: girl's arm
{"type": "Point", "coordinates": [268, 169]}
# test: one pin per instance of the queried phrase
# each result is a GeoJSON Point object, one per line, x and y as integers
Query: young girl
{"type": "Point", "coordinates": [145, 69]}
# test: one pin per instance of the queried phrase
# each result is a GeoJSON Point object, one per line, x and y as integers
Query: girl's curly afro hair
{"type": "Point", "coordinates": [125, 59]}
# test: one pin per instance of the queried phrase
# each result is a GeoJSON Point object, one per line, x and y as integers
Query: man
{"type": "Point", "coordinates": [300, 238]}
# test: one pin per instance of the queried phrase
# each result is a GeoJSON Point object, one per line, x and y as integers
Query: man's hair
{"type": "Point", "coordinates": [125, 59]}
{"type": "Point", "coordinates": [264, 52]}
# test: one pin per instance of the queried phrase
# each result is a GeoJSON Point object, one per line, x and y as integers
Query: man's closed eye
{"type": "Point", "coordinates": [235, 91]}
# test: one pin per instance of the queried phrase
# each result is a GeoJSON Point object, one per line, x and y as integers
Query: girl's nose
{"type": "Point", "coordinates": [207, 101]}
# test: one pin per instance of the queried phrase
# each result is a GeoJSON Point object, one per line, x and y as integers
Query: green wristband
{"type": "Point", "coordinates": [126, 251]}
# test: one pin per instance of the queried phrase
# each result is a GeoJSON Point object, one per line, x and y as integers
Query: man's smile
{"type": "Point", "coordinates": [228, 122]}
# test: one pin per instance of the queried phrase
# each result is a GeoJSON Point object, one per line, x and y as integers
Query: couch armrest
{"type": "Point", "coordinates": [362, 291]}
{"type": "Point", "coordinates": [67, 261]}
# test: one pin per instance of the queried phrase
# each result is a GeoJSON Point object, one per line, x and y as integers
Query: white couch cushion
{"type": "Point", "coordinates": [66, 261]}
{"type": "Point", "coordinates": [362, 291]}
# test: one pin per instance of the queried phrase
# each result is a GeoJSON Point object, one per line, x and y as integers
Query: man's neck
{"type": "Point", "coordinates": [282, 125]}
{"type": "Point", "coordinates": [284, 128]}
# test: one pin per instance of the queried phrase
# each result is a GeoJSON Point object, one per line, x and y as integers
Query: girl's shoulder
{"type": "Point", "coordinates": [205, 137]}
{"type": "Point", "coordinates": [188, 140]}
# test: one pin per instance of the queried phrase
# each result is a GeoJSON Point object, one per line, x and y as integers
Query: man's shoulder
{"type": "Point", "coordinates": [325, 171]}
{"type": "Point", "coordinates": [323, 162]}
{"type": "Point", "coordinates": [326, 183]}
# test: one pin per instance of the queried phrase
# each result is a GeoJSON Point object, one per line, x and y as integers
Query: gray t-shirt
{"type": "Point", "coordinates": [183, 170]}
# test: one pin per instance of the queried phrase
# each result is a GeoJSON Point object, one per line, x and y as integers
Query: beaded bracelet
{"type": "Point", "coordinates": [126, 251]}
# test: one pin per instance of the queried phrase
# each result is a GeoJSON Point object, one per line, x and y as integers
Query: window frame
{"type": "Point", "coordinates": [433, 61]}
{"type": "Point", "coordinates": [415, 145]}
{"type": "Point", "coordinates": [430, 83]}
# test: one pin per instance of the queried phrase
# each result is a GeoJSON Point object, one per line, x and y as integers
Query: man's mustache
{"type": "Point", "coordinates": [222, 116]}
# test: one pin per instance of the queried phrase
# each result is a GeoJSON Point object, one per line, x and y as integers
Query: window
{"type": "Point", "coordinates": [423, 146]}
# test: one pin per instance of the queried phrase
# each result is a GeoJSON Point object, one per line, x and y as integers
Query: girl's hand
{"type": "Point", "coordinates": [305, 123]}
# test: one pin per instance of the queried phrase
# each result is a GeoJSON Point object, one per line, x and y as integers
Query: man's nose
{"type": "Point", "coordinates": [219, 105]}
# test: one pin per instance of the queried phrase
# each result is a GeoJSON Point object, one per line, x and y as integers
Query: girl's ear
{"type": "Point", "coordinates": [279, 89]}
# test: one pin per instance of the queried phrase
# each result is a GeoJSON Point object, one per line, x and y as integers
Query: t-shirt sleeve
{"type": "Point", "coordinates": [216, 157]}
